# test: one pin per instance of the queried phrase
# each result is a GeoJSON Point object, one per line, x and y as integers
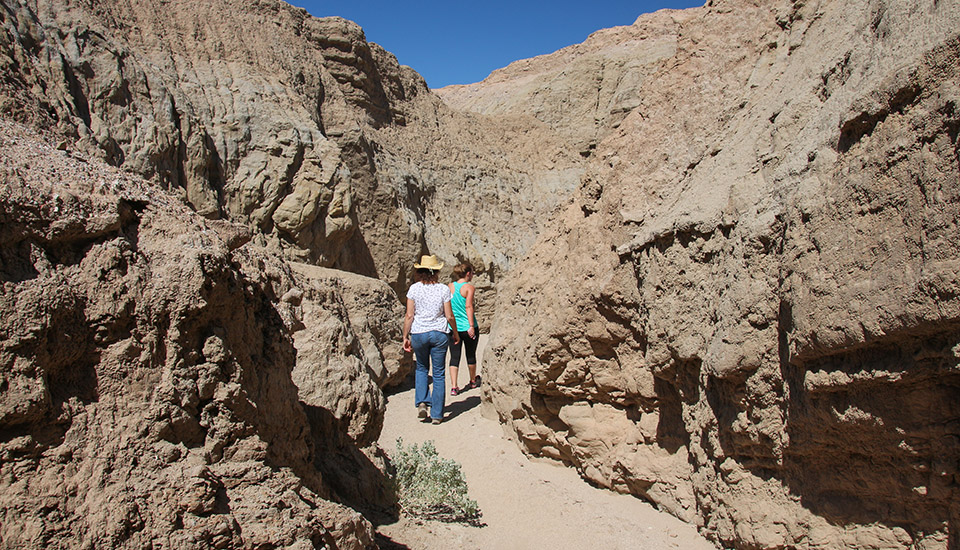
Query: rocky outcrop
{"type": "Point", "coordinates": [217, 346]}
{"type": "Point", "coordinates": [749, 314]}
{"type": "Point", "coordinates": [583, 91]}
{"type": "Point", "coordinates": [148, 369]}
{"type": "Point", "coordinates": [333, 153]}
{"type": "Point", "coordinates": [243, 128]}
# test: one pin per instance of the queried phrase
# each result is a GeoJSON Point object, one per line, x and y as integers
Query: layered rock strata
{"type": "Point", "coordinates": [749, 315]}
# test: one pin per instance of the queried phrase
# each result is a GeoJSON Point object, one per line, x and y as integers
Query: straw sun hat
{"type": "Point", "coordinates": [429, 262]}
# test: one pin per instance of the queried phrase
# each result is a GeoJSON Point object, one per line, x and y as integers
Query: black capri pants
{"type": "Point", "coordinates": [469, 344]}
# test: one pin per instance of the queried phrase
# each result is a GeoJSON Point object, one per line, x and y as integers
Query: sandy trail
{"type": "Point", "coordinates": [525, 503]}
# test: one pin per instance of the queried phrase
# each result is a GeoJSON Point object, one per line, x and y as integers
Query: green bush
{"type": "Point", "coordinates": [432, 487]}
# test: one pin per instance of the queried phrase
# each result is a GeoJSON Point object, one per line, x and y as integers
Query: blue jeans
{"type": "Point", "coordinates": [429, 346]}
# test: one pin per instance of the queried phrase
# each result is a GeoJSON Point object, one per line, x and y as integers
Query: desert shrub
{"type": "Point", "coordinates": [430, 486]}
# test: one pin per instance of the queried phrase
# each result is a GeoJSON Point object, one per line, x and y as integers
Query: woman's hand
{"type": "Point", "coordinates": [472, 332]}
{"type": "Point", "coordinates": [408, 324]}
{"type": "Point", "coordinates": [456, 337]}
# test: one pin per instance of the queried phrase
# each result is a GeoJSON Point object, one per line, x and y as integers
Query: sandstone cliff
{"type": "Point", "coordinates": [295, 126]}
{"type": "Point", "coordinates": [146, 394]}
{"type": "Point", "coordinates": [167, 378]}
{"type": "Point", "coordinates": [749, 314]}
{"type": "Point", "coordinates": [583, 91]}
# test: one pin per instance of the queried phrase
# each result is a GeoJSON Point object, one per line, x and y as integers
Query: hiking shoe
{"type": "Point", "coordinates": [475, 383]}
{"type": "Point", "coordinates": [455, 390]}
{"type": "Point", "coordinates": [422, 411]}
{"type": "Point", "coordinates": [436, 421]}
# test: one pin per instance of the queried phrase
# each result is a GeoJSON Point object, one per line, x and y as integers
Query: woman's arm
{"type": "Point", "coordinates": [468, 297]}
{"type": "Point", "coordinates": [448, 313]}
{"type": "Point", "coordinates": [407, 323]}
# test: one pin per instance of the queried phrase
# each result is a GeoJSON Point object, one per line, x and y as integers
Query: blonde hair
{"type": "Point", "coordinates": [461, 270]}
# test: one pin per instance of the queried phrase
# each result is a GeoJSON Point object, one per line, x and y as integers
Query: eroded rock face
{"type": "Point", "coordinates": [750, 314]}
{"type": "Point", "coordinates": [146, 391]}
{"type": "Point", "coordinates": [292, 138]}
{"type": "Point", "coordinates": [585, 90]}
{"type": "Point", "coordinates": [242, 127]}
{"type": "Point", "coordinates": [333, 153]}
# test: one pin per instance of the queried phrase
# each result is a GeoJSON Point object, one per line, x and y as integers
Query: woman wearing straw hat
{"type": "Point", "coordinates": [426, 332]}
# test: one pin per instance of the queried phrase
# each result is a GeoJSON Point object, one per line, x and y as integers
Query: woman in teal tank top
{"type": "Point", "coordinates": [469, 331]}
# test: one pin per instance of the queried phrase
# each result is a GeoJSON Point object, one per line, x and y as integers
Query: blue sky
{"type": "Point", "coordinates": [462, 42]}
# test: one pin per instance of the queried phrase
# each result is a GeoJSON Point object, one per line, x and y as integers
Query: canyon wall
{"type": "Point", "coordinates": [149, 373]}
{"type": "Point", "coordinates": [333, 153]}
{"type": "Point", "coordinates": [749, 313]}
{"type": "Point", "coordinates": [722, 241]}
{"type": "Point", "coordinates": [203, 250]}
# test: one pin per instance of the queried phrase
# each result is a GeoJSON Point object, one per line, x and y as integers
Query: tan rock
{"type": "Point", "coordinates": [333, 153]}
{"type": "Point", "coordinates": [746, 312]}
{"type": "Point", "coordinates": [765, 234]}
{"type": "Point", "coordinates": [145, 373]}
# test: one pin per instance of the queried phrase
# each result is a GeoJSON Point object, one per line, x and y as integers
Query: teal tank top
{"type": "Point", "coordinates": [459, 305]}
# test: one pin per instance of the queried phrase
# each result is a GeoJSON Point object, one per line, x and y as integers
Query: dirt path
{"type": "Point", "coordinates": [526, 503]}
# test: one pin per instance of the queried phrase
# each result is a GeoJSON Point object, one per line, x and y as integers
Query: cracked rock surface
{"type": "Point", "coordinates": [749, 314]}
{"type": "Point", "coordinates": [717, 254]}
